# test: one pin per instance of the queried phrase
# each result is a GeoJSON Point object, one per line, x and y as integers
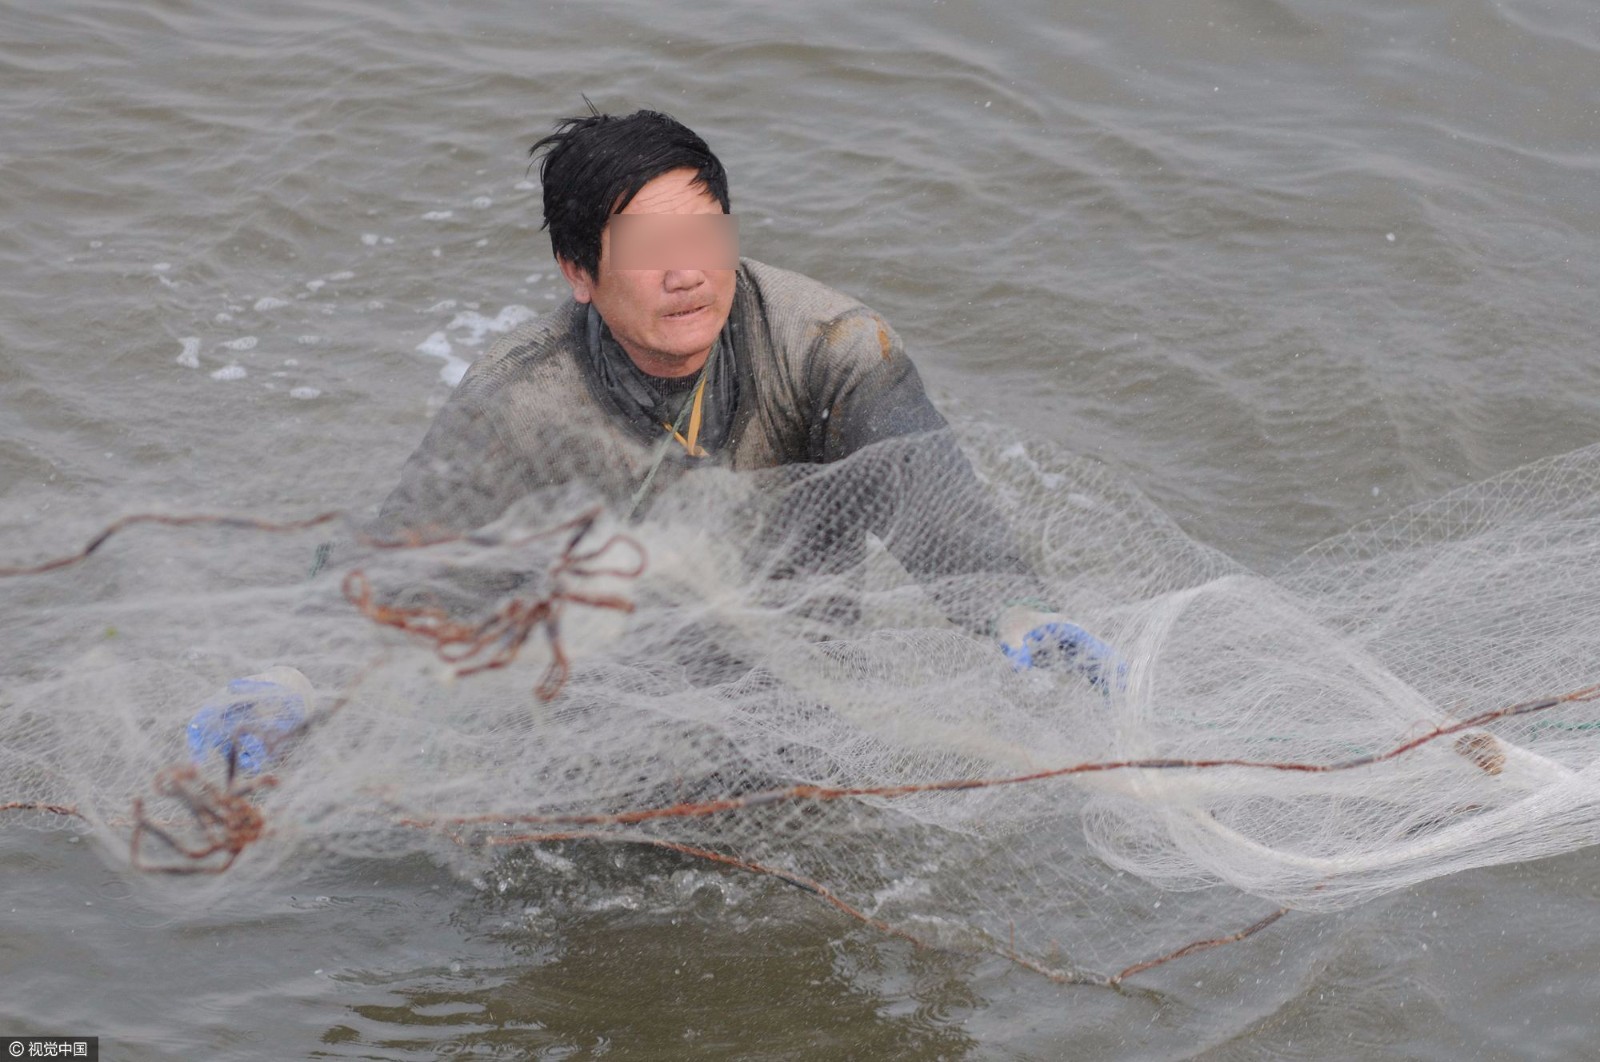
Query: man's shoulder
{"type": "Point", "coordinates": [803, 315]}
{"type": "Point", "coordinates": [795, 300]}
{"type": "Point", "coordinates": [531, 349]}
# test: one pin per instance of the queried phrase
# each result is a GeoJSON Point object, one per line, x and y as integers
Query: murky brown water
{"type": "Point", "coordinates": [1285, 263]}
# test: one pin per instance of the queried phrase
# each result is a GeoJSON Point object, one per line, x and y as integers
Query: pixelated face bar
{"type": "Point", "coordinates": [673, 241]}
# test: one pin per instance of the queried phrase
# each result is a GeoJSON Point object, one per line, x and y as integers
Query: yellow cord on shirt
{"type": "Point", "coordinates": [691, 443]}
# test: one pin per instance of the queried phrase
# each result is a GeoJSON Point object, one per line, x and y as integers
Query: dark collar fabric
{"type": "Point", "coordinates": [644, 407]}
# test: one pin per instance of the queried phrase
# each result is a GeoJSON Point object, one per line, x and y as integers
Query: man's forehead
{"type": "Point", "coordinates": [656, 224]}
{"type": "Point", "coordinates": [676, 192]}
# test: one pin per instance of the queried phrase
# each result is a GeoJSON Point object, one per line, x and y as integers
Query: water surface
{"type": "Point", "coordinates": [1284, 264]}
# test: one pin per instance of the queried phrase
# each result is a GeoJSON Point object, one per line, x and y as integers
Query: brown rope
{"type": "Point", "coordinates": [707, 808]}
{"type": "Point", "coordinates": [167, 520]}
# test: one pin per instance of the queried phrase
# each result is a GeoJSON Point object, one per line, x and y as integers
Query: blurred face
{"type": "Point", "coordinates": [667, 267]}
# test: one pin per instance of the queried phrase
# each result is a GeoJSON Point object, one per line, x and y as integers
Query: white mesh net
{"type": "Point", "coordinates": [696, 681]}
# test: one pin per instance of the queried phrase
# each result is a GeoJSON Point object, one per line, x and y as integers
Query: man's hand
{"type": "Point", "coordinates": [245, 720]}
{"type": "Point", "coordinates": [1031, 638]}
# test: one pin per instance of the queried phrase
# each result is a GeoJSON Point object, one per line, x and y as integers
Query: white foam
{"type": "Point", "coordinates": [305, 393]}
{"type": "Point", "coordinates": [901, 889]}
{"type": "Point", "coordinates": [343, 274]}
{"type": "Point", "coordinates": [439, 215]}
{"type": "Point", "coordinates": [161, 267]}
{"type": "Point", "coordinates": [483, 202]}
{"type": "Point", "coordinates": [269, 302]}
{"type": "Point", "coordinates": [230, 372]}
{"type": "Point", "coordinates": [524, 186]}
{"type": "Point", "coordinates": [190, 357]}
{"type": "Point", "coordinates": [477, 326]}
{"type": "Point", "coordinates": [438, 346]}
{"type": "Point", "coordinates": [620, 901]}
{"type": "Point", "coordinates": [315, 285]}
{"type": "Point", "coordinates": [555, 862]}
{"type": "Point", "coordinates": [308, 340]}
{"type": "Point", "coordinates": [242, 343]}
{"type": "Point", "coordinates": [370, 239]}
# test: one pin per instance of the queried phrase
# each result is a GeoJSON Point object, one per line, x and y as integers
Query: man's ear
{"type": "Point", "coordinates": [577, 276]}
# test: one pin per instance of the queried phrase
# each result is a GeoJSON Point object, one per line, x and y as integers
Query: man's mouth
{"type": "Point", "coordinates": [681, 314]}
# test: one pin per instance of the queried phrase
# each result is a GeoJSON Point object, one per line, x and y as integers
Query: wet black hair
{"type": "Point", "coordinates": [593, 166]}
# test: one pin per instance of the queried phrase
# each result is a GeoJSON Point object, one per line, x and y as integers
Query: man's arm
{"type": "Point", "coordinates": [923, 499]}
{"type": "Point", "coordinates": [462, 476]}
{"type": "Point", "coordinates": [919, 493]}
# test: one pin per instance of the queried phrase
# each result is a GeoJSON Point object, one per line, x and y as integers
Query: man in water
{"type": "Point", "coordinates": [673, 353]}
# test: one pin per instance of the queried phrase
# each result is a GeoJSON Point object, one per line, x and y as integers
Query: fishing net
{"type": "Point", "coordinates": [1408, 700]}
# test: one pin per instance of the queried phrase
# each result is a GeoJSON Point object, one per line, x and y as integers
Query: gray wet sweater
{"type": "Point", "coordinates": [821, 377]}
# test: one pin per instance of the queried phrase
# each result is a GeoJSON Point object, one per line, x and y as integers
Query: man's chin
{"type": "Point", "coordinates": [686, 342]}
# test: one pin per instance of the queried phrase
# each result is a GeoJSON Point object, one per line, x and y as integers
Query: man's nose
{"type": "Point", "coordinates": [683, 279]}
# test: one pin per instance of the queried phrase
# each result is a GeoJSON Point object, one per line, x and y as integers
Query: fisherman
{"type": "Point", "coordinates": [674, 352]}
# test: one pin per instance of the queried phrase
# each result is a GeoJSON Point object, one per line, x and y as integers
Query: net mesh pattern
{"type": "Point", "coordinates": [698, 681]}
